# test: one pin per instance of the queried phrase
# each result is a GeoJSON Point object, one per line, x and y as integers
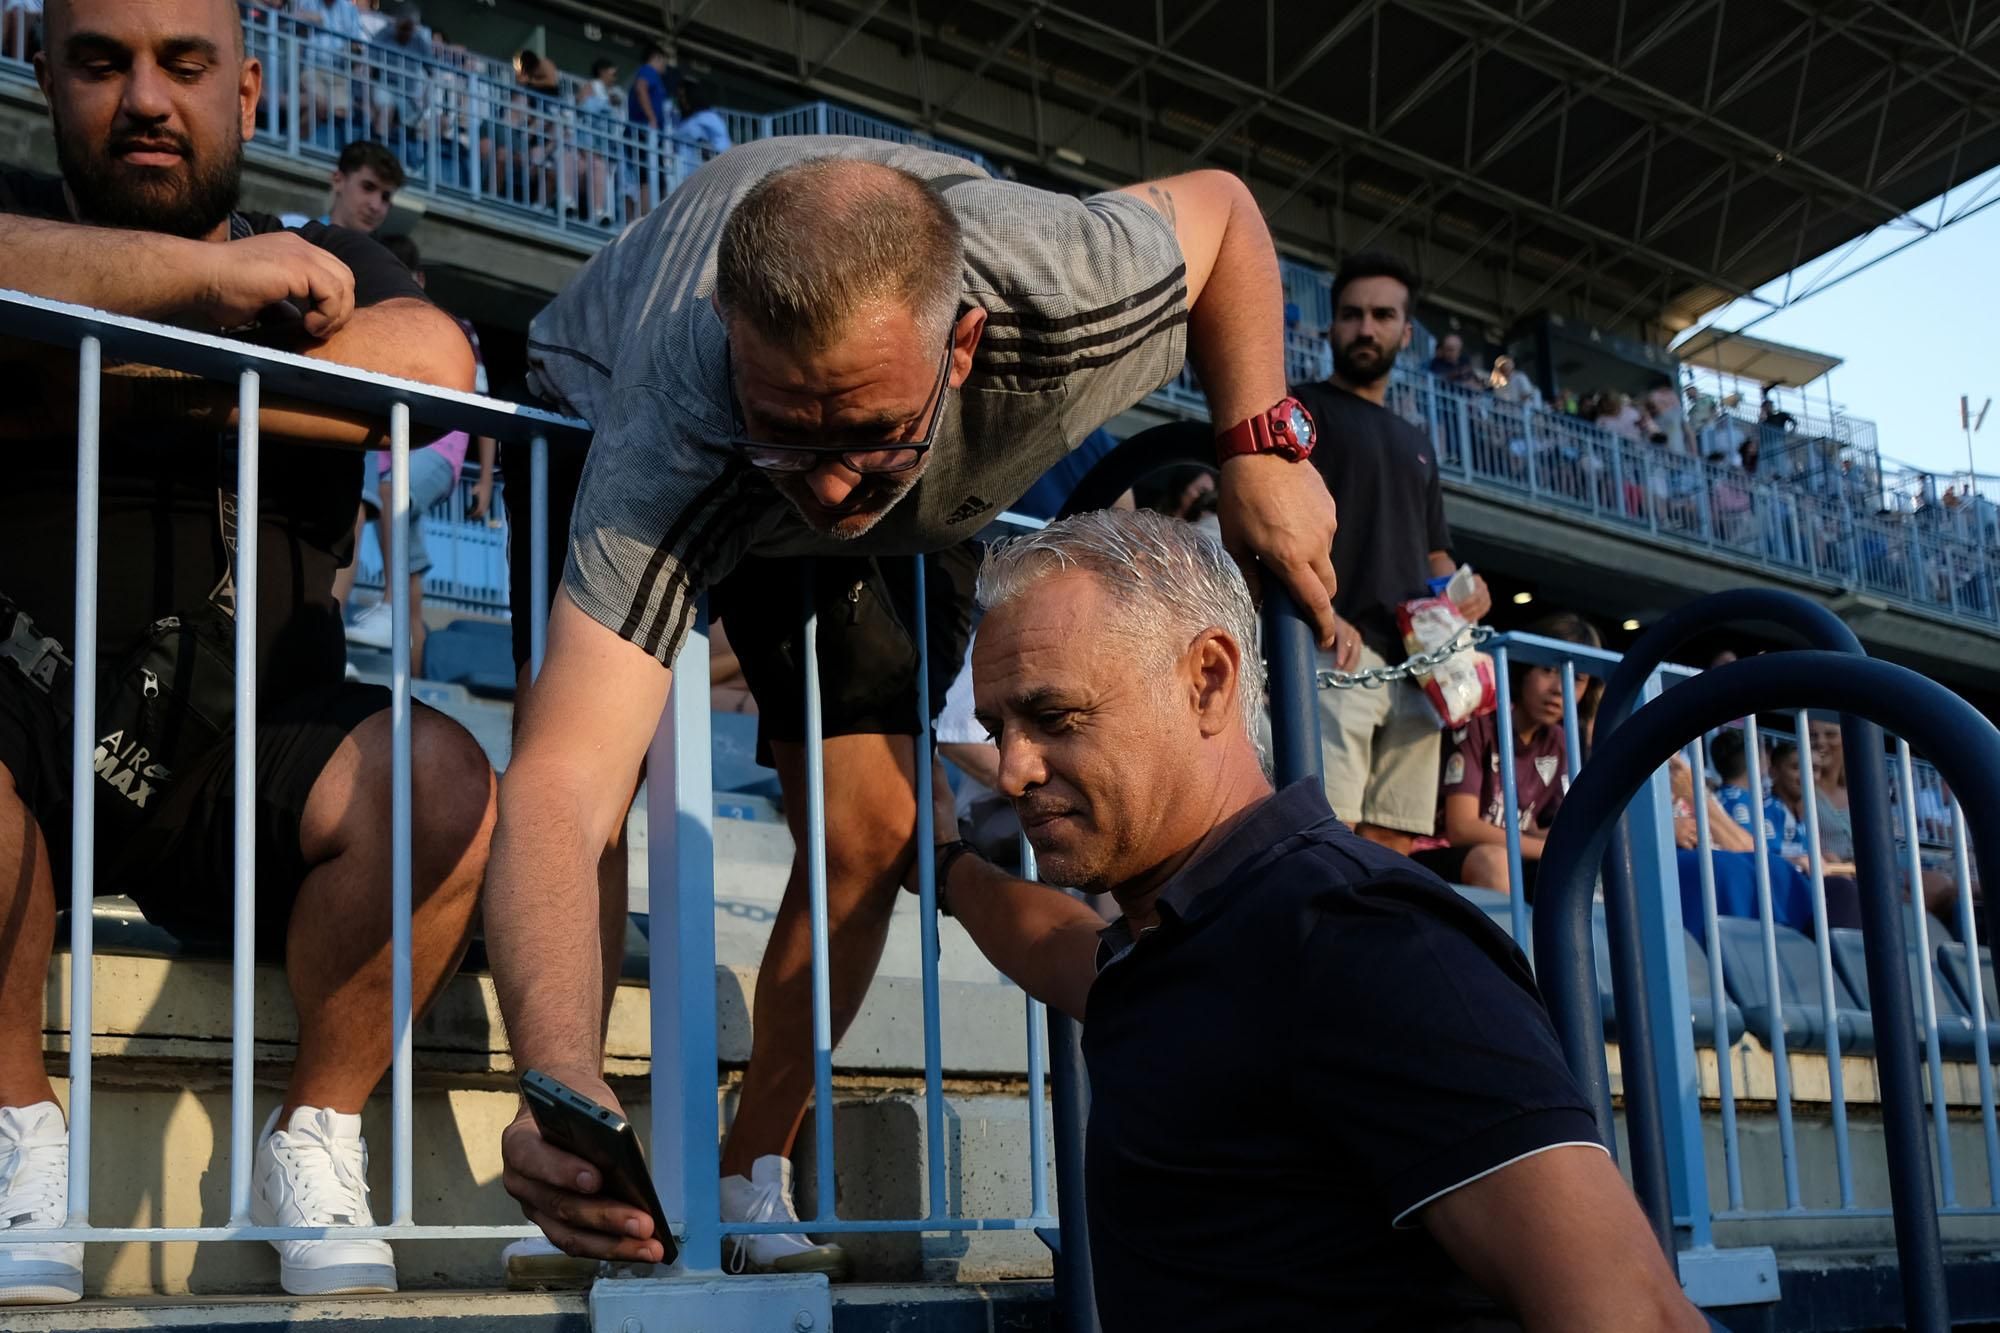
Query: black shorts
{"type": "Point", "coordinates": [867, 652]}
{"type": "Point", "coordinates": [867, 640]}
{"type": "Point", "coordinates": [1448, 864]}
{"type": "Point", "coordinates": [178, 862]}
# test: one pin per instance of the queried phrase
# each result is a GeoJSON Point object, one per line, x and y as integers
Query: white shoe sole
{"type": "Point", "coordinates": [47, 1291]}
{"type": "Point", "coordinates": [337, 1279]}
{"type": "Point", "coordinates": [828, 1259]}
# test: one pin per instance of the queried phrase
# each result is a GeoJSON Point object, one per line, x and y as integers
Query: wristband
{"type": "Point", "coordinates": [946, 856]}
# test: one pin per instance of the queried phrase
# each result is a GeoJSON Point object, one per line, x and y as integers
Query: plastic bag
{"type": "Point", "coordinates": [1462, 687]}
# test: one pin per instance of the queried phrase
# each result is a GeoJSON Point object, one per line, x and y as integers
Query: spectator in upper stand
{"type": "Point", "coordinates": [402, 48]}
{"type": "Point", "coordinates": [1713, 434]}
{"type": "Point", "coordinates": [365, 181]}
{"type": "Point", "coordinates": [434, 472]}
{"type": "Point", "coordinates": [1379, 746]}
{"type": "Point", "coordinates": [651, 101]}
{"type": "Point", "coordinates": [150, 105]}
{"type": "Point", "coordinates": [538, 73]}
{"type": "Point", "coordinates": [329, 65]}
{"type": "Point", "coordinates": [1618, 414]}
{"type": "Point", "coordinates": [1510, 384]}
{"type": "Point", "coordinates": [598, 157]}
{"type": "Point", "coordinates": [1418, 1156]}
{"type": "Point", "coordinates": [700, 129]}
{"type": "Point", "coordinates": [1727, 755]}
{"type": "Point", "coordinates": [1472, 808]}
{"type": "Point", "coordinates": [1669, 423]}
{"type": "Point", "coordinates": [1450, 363]}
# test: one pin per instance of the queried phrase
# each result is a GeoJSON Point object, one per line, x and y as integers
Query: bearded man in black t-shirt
{"type": "Point", "coordinates": [1379, 747]}
{"type": "Point", "coordinates": [150, 105]}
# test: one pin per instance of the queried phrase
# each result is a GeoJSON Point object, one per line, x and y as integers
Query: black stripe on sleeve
{"type": "Point", "coordinates": [1023, 352]}
{"type": "Point", "coordinates": [1028, 321]}
{"type": "Point", "coordinates": [635, 617]}
{"type": "Point", "coordinates": [691, 571]}
{"type": "Point", "coordinates": [1027, 377]}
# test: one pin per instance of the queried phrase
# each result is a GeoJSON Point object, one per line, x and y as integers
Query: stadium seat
{"type": "Point", "coordinates": [1953, 965]}
{"type": "Point", "coordinates": [1850, 960]}
{"type": "Point", "coordinates": [1701, 1005]}
{"type": "Point", "coordinates": [1798, 989]}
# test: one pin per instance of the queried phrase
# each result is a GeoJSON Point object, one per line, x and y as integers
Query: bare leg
{"type": "Point", "coordinates": [871, 815]}
{"type": "Point", "coordinates": [1486, 868]}
{"type": "Point", "coordinates": [343, 578]}
{"type": "Point", "coordinates": [337, 948]}
{"type": "Point", "coordinates": [27, 934]}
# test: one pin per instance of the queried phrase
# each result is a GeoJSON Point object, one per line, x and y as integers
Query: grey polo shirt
{"type": "Point", "coordinates": [1086, 304]}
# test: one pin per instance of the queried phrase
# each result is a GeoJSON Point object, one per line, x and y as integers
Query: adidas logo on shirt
{"type": "Point", "coordinates": [969, 508]}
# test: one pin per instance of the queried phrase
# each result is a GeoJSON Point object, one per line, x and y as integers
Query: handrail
{"type": "Point", "coordinates": [1929, 716]}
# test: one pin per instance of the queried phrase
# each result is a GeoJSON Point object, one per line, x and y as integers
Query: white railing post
{"type": "Point", "coordinates": [83, 773]}
{"type": "Point", "coordinates": [397, 587]}
{"type": "Point", "coordinates": [243, 956]}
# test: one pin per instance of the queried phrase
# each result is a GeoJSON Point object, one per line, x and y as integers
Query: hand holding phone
{"type": "Point", "coordinates": [580, 1175]}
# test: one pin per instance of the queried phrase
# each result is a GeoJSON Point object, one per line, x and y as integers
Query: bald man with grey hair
{"type": "Point", "coordinates": [1412, 1152]}
{"type": "Point", "coordinates": [822, 357]}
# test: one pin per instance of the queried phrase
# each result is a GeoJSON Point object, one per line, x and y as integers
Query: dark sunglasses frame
{"type": "Point", "coordinates": [795, 458]}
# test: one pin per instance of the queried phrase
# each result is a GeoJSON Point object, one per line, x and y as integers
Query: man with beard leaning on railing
{"type": "Point", "coordinates": [150, 104]}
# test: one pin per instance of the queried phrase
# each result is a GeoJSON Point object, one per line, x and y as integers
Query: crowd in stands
{"type": "Point", "coordinates": [601, 149]}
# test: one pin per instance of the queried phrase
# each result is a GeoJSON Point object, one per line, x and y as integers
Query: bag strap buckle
{"type": "Point", "coordinates": [40, 658]}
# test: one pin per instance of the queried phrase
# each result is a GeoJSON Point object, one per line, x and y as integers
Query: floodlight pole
{"type": "Point", "coordinates": [1971, 424]}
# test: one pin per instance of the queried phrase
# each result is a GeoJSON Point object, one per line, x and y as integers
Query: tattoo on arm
{"type": "Point", "coordinates": [1163, 201]}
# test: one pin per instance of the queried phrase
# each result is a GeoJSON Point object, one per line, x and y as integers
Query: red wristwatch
{"type": "Point", "coordinates": [1286, 430]}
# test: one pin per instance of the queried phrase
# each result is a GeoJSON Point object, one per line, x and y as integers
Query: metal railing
{"type": "Point", "coordinates": [680, 808]}
{"type": "Point", "coordinates": [1681, 957]}
{"type": "Point", "coordinates": [1572, 467]}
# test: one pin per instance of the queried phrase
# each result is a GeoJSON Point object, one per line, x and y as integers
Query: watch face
{"type": "Point", "coordinates": [1301, 424]}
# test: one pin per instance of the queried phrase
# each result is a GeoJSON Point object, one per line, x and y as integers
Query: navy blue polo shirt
{"type": "Point", "coordinates": [1318, 1039]}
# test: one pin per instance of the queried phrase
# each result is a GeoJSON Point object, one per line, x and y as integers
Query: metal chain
{"type": "Point", "coordinates": [1374, 678]}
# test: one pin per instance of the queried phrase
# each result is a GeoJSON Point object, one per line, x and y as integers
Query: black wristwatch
{"type": "Point", "coordinates": [944, 858]}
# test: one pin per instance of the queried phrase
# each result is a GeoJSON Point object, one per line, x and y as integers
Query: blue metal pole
{"type": "Point", "coordinates": [1843, 1160]}
{"type": "Point", "coordinates": [934, 1141]}
{"type": "Point", "coordinates": [1289, 653]}
{"type": "Point", "coordinates": [1503, 745]}
{"type": "Point", "coordinates": [680, 812]}
{"type": "Point", "coordinates": [401, 1000]}
{"type": "Point", "coordinates": [822, 1008]}
{"type": "Point", "coordinates": [1038, 1074]}
{"type": "Point", "coordinates": [538, 554]}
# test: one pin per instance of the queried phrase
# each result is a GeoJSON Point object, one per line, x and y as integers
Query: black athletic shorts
{"type": "Point", "coordinates": [178, 864]}
{"type": "Point", "coordinates": [1448, 864]}
{"type": "Point", "coordinates": [867, 611]}
{"type": "Point", "coordinates": [867, 638]}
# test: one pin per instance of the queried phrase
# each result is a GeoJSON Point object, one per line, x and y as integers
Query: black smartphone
{"type": "Point", "coordinates": [605, 1139]}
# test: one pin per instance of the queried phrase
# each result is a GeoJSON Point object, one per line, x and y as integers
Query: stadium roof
{"type": "Point", "coordinates": [1752, 358]}
{"type": "Point", "coordinates": [1621, 161]}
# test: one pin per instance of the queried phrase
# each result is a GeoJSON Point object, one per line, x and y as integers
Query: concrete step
{"type": "Point", "coordinates": [1015, 1307]}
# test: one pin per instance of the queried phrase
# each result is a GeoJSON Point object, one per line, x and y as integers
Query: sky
{"type": "Point", "coordinates": [1914, 332]}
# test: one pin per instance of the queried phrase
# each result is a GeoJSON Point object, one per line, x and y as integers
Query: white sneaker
{"type": "Point", "coordinates": [314, 1173]}
{"type": "Point", "coordinates": [767, 1197]}
{"type": "Point", "coordinates": [34, 1193]}
{"type": "Point", "coordinates": [373, 627]}
{"type": "Point", "coordinates": [535, 1262]}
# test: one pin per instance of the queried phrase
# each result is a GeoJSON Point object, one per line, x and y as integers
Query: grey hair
{"type": "Point", "coordinates": [1169, 579]}
{"type": "Point", "coordinates": [814, 242]}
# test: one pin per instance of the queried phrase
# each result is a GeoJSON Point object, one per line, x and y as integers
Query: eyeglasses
{"type": "Point", "coordinates": [894, 456]}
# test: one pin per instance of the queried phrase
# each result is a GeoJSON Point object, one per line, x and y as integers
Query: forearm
{"type": "Point", "coordinates": [1236, 329]}
{"type": "Point", "coordinates": [1442, 564]}
{"type": "Point", "coordinates": [541, 928]}
{"type": "Point", "coordinates": [142, 274]}
{"type": "Point", "coordinates": [979, 762]}
{"type": "Point", "coordinates": [1039, 937]}
{"type": "Point", "coordinates": [485, 447]}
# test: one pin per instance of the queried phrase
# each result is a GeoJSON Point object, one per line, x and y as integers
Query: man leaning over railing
{"type": "Point", "coordinates": [150, 106]}
{"type": "Point", "coordinates": [846, 350]}
{"type": "Point", "coordinates": [1324, 1093]}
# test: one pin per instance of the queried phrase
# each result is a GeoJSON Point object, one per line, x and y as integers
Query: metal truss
{"type": "Point", "coordinates": [1766, 173]}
